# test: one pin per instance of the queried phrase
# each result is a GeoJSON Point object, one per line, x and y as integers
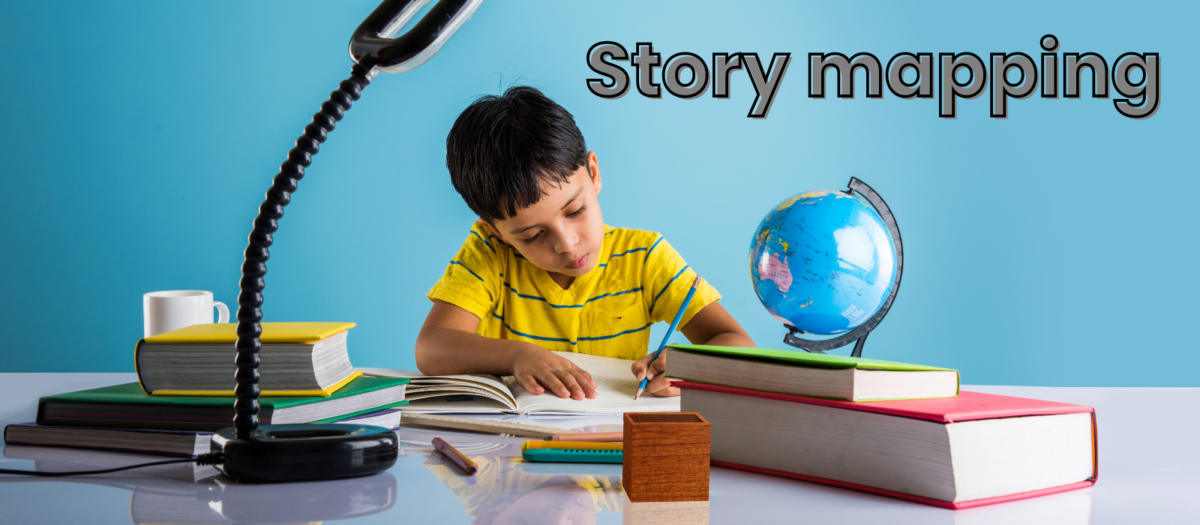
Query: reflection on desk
{"type": "Point", "coordinates": [502, 492]}
{"type": "Point", "coordinates": [158, 500]}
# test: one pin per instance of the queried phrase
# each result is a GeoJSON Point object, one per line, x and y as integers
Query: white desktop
{"type": "Point", "coordinates": [1148, 464]}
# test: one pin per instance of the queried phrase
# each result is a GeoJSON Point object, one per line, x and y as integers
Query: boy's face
{"type": "Point", "coordinates": [562, 233]}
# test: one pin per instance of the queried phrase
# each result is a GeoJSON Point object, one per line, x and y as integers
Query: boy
{"type": "Point", "coordinates": [541, 271]}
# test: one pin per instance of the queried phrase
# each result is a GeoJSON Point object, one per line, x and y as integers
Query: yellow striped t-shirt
{"type": "Point", "coordinates": [640, 280]}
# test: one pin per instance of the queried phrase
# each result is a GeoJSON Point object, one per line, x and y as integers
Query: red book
{"type": "Point", "coordinates": [959, 452]}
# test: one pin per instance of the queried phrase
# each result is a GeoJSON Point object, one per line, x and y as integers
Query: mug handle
{"type": "Point", "coordinates": [222, 312]}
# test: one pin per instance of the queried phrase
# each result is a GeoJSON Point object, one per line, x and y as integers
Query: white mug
{"type": "Point", "coordinates": [174, 309]}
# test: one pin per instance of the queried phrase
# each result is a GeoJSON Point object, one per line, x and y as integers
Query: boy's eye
{"type": "Point", "coordinates": [532, 239]}
{"type": "Point", "coordinates": [576, 213]}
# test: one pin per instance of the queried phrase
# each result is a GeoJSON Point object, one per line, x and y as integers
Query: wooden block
{"type": "Point", "coordinates": [666, 457]}
{"type": "Point", "coordinates": [663, 512]}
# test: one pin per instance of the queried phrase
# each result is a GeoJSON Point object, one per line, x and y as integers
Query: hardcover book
{"type": "Point", "coordinates": [179, 443]}
{"type": "Point", "coordinates": [127, 406]}
{"type": "Point", "coordinates": [806, 374]}
{"type": "Point", "coordinates": [297, 359]}
{"type": "Point", "coordinates": [966, 451]}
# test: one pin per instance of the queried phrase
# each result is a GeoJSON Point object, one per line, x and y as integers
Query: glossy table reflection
{"type": "Point", "coordinates": [1147, 475]}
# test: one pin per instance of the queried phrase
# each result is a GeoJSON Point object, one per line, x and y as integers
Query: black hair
{"type": "Point", "coordinates": [503, 149]}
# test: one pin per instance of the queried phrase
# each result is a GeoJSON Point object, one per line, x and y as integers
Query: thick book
{"type": "Point", "coordinates": [809, 374]}
{"type": "Point", "coordinates": [177, 443]}
{"type": "Point", "coordinates": [487, 394]}
{"type": "Point", "coordinates": [966, 451]}
{"type": "Point", "coordinates": [297, 359]}
{"type": "Point", "coordinates": [127, 406]}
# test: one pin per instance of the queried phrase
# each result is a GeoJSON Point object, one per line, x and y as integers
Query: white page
{"type": "Point", "coordinates": [615, 386]}
{"type": "Point", "coordinates": [476, 385]}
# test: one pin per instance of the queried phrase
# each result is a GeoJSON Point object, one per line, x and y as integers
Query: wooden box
{"type": "Point", "coordinates": [666, 457]}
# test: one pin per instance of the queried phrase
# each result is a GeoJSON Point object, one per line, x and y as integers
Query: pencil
{"type": "Point", "coordinates": [455, 456]}
{"type": "Point", "coordinates": [594, 437]}
{"type": "Point", "coordinates": [675, 323]}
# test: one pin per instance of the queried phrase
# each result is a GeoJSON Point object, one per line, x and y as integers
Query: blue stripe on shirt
{"type": "Point", "coordinates": [468, 269]}
{"type": "Point", "coordinates": [564, 340]}
{"type": "Point", "coordinates": [542, 299]}
{"type": "Point", "coordinates": [652, 303]}
{"type": "Point", "coordinates": [638, 289]}
{"type": "Point", "coordinates": [538, 337]}
{"type": "Point", "coordinates": [635, 330]}
{"type": "Point", "coordinates": [642, 249]}
{"type": "Point", "coordinates": [489, 245]}
{"type": "Point", "coordinates": [552, 305]}
{"type": "Point", "coordinates": [655, 245]}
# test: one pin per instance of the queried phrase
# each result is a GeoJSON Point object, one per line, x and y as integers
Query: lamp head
{"type": "Point", "coordinates": [375, 42]}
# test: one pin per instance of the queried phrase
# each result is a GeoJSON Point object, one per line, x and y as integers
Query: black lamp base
{"type": "Point", "coordinates": [278, 453]}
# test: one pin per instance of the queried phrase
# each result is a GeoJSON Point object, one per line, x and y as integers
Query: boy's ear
{"type": "Point", "coordinates": [593, 166]}
{"type": "Point", "coordinates": [493, 229]}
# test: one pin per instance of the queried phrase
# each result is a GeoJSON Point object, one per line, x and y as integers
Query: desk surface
{"type": "Point", "coordinates": [1148, 474]}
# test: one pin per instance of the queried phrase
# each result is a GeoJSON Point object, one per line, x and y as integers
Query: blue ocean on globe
{"type": "Point", "coordinates": [823, 262]}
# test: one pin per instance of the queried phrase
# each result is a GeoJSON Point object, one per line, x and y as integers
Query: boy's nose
{"type": "Point", "coordinates": [567, 240]}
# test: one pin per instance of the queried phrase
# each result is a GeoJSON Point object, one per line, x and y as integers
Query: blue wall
{"type": "Point", "coordinates": [1051, 248]}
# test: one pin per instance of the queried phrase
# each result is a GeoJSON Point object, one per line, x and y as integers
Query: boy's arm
{"type": "Point", "coordinates": [710, 326]}
{"type": "Point", "coordinates": [448, 345]}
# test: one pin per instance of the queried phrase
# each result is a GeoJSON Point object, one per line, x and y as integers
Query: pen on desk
{"type": "Point", "coordinates": [674, 324]}
{"type": "Point", "coordinates": [591, 437]}
{"type": "Point", "coordinates": [455, 456]}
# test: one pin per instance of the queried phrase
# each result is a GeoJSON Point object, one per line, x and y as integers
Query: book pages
{"type": "Point", "coordinates": [482, 394]}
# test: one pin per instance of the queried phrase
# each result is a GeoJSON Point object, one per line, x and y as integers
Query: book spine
{"type": "Point", "coordinates": [104, 449]}
{"type": "Point", "coordinates": [1095, 450]}
{"type": "Point", "coordinates": [849, 405]}
{"type": "Point", "coordinates": [902, 408]}
{"type": "Point", "coordinates": [135, 421]}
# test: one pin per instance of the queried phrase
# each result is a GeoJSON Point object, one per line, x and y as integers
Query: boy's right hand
{"type": "Point", "coordinates": [539, 370]}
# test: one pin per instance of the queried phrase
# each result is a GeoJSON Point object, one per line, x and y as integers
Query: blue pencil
{"type": "Point", "coordinates": [675, 323]}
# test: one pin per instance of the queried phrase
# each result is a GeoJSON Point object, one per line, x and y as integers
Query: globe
{"type": "Point", "coordinates": [823, 262]}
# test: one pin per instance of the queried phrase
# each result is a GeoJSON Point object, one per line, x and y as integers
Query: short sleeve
{"type": "Point", "coordinates": [472, 279]}
{"type": "Point", "coordinates": [668, 278]}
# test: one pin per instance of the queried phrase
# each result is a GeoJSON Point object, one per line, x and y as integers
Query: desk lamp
{"type": "Point", "coordinates": [272, 453]}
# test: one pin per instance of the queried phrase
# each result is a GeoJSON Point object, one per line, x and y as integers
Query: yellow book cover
{"type": "Point", "coordinates": [271, 333]}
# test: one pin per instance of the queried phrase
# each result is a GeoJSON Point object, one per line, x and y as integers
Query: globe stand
{"type": "Point", "coordinates": [859, 334]}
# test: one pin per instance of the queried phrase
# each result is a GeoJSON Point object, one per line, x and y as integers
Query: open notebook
{"type": "Point", "coordinates": [476, 394]}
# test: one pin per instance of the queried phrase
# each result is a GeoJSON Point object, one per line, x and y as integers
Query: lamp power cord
{"type": "Point", "coordinates": [214, 458]}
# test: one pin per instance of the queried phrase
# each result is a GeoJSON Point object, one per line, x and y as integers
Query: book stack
{"type": "Point", "coordinates": [185, 393]}
{"type": "Point", "coordinates": [893, 429]}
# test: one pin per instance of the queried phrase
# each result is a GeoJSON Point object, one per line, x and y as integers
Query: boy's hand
{"type": "Point", "coordinates": [540, 370]}
{"type": "Point", "coordinates": [658, 384]}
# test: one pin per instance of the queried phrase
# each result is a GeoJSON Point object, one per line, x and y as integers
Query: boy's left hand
{"type": "Point", "coordinates": [658, 385]}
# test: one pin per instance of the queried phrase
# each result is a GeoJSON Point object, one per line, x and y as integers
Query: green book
{"type": "Point", "coordinates": [807, 374]}
{"type": "Point", "coordinates": [128, 406]}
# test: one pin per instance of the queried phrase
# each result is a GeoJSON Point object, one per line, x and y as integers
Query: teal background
{"type": "Point", "coordinates": [1051, 248]}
